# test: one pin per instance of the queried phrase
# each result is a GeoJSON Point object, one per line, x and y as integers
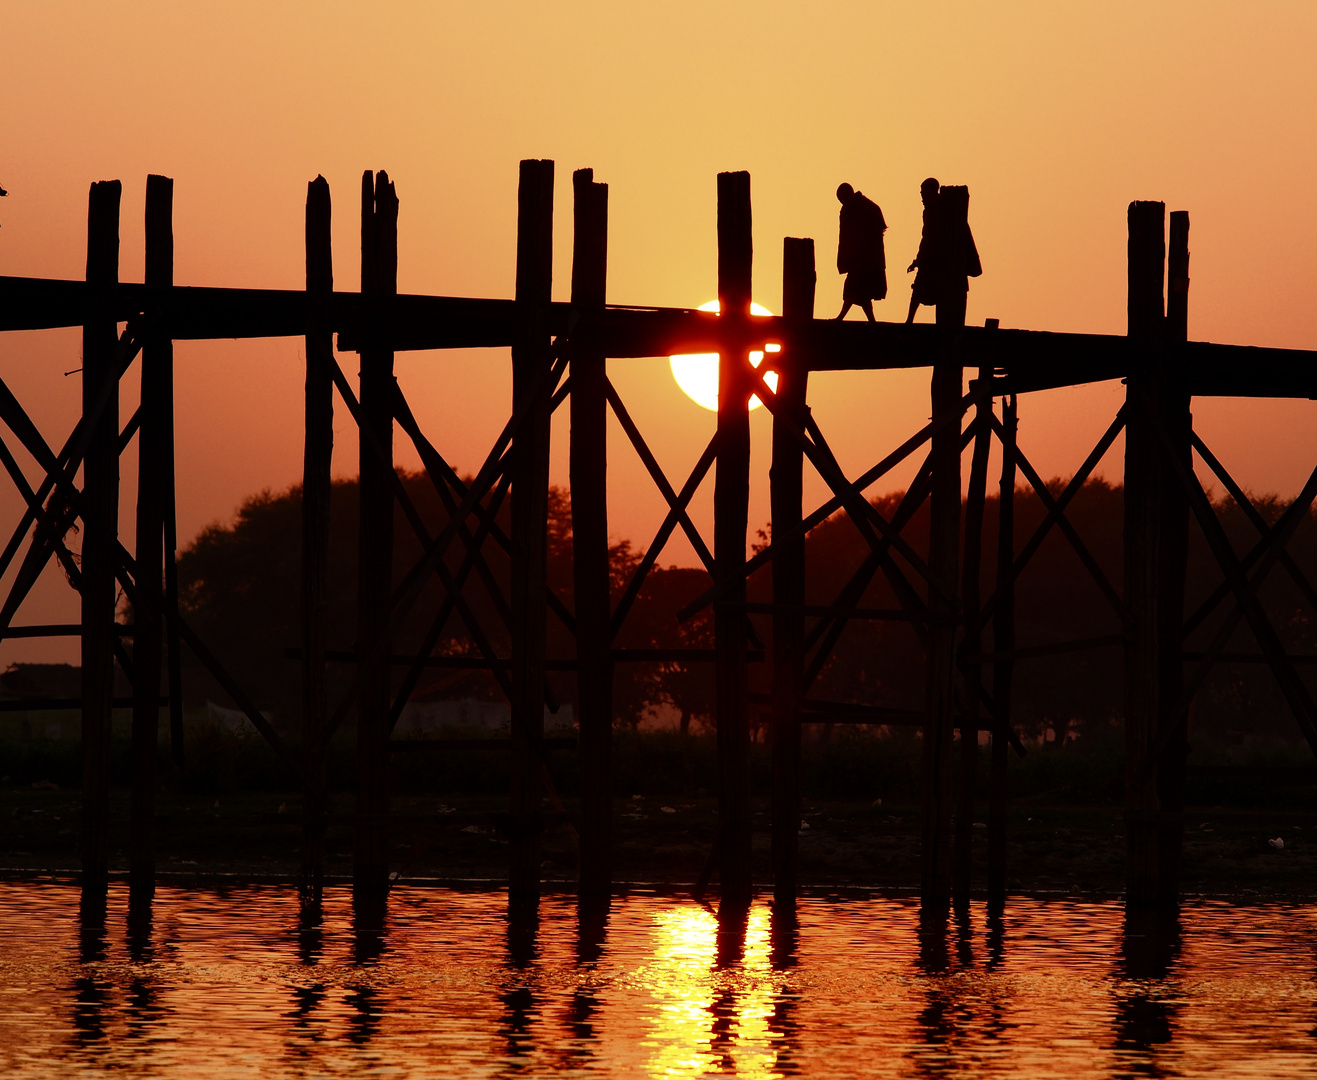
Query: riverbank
{"type": "Point", "coordinates": [1055, 849]}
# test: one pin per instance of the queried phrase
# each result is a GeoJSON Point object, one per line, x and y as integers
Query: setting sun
{"type": "Point", "coordinates": [697, 373]}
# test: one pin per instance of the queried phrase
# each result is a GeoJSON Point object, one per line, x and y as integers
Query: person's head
{"type": "Point", "coordinates": [928, 189]}
{"type": "Point", "coordinates": [844, 192]}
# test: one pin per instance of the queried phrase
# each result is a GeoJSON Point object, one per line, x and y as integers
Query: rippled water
{"type": "Point", "coordinates": [226, 984]}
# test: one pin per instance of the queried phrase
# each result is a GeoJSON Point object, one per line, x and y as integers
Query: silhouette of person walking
{"type": "Point", "coordinates": [924, 289]}
{"type": "Point", "coordinates": [947, 256]}
{"type": "Point", "coordinates": [860, 254]}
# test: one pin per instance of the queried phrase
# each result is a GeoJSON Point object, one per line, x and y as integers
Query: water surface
{"type": "Point", "coordinates": [226, 984]}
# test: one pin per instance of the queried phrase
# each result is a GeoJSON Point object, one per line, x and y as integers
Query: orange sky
{"type": "Point", "coordinates": [1055, 115]}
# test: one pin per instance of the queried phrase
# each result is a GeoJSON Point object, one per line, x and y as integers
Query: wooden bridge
{"type": "Point", "coordinates": [560, 353]}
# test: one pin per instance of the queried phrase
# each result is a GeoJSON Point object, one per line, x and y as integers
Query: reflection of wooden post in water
{"type": "Point", "coordinates": [530, 493]}
{"type": "Point", "coordinates": [316, 484]}
{"type": "Point", "coordinates": [943, 559]}
{"type": "Point", "coordinates": [1003, 669]}
{"type": "Point", "coordinates": [100, 510]}
{"type": "Point", "coordinates": [152, 434]}
{"type": "Point", "coordinates": [379, 284]}
{"type": "Point", "coordinates": [589, 494]}
{"type": "Point", "coordinates": [785, 481]}
{"type": "Point", "coordinates": [973, 668]}
{"type": "Point", "coordinates": [730, 511]}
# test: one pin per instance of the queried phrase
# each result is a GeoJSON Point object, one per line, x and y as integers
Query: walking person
{"type": "Point", "coordinates": [860, 254]}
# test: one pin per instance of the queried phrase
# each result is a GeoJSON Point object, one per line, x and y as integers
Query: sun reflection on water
{"type": "Point", "coordinates": [709, 1017]}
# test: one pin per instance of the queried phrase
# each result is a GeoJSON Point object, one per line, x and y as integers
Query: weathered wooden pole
{"type": "Point", "coordinates": [100, 503]}
{"type": "Point", "coordinates": [785, 483]}
{"type": "Point", "coordinates": [943, 560]}
{"type": "Point", "coordinates": [379, 284]}
{"type": "Point", "coordinates": [317, 457]}
{"type": "Point", "coordinates": [1156, 542]}
{"type": "Point", "coordinates": [1003, 671]}
{"type": "Point", "coordinates": [1175, 403]}
{"type": "Point", "coordinates": [529, 468]}
{"type": "Point", "coordinates": [972, 668]}
{"type": "Point", "coordinates": [730, 515]}
{"type": "Point", "coordinates": [589, 494]}
{"type": "Point", "coordinates": [157, 386]}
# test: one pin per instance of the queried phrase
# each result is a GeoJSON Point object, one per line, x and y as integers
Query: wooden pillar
{"type": "Point", "coordinates": [785, 481]}
{"type": "Point", "coordinates": [100, 506]}
{"type": "Point", "coordinates": [157, 385]}
{"type": "Point", "coordinates": [973, 669]}
{"type": "Point", "coordinates": [1003, 642]}
{"type": "Point", "coordinates": [318, 451]}
{"type": "Point", "coordinates": [530, 485]}
{"type": "Point", "coordinates": [379, 284]}
{"type": "Point", "coordinates": [730, 512]}
{"type": "Point", "coordinates": [1174, 401]}
{"type": "Point", "coordinates": [943, 562]}
{"type": "Point", "coordinates": [1156, 542]}
{"type": "Point", "coordinates": [589, 494]}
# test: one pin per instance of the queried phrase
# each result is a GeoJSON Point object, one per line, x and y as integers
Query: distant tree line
{"type": "Point", "coordinates": [240, 584]}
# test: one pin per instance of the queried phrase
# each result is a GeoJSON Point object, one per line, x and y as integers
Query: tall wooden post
{"type": "Point", "coordinates": [589, 494]}
{"type": "Point", "coordinates": [730, 513]}
{"type": "Point", "coordinates": [157, 365]}
{"type": "Point", "coordinates": [317, 457]}
{"type": "Point", "coordinates": [973, 669]}
{"type": "Point", "coordinates": [943, 560]}
{"type": "Point", "coordinates": [1156, 542]}
{"type": "Point", "coordinates": [1003, 643]}
{"type": "Point", "coordinates": [1174, 401]}
{"type": "Point", "coordinates": [530, 486]}
{"type": "Point", "coordinates": [379, 284]}
{"type": "Point", "coordinates": [100, 509]}
{"type": "Point", "coordinates": [785, 481]}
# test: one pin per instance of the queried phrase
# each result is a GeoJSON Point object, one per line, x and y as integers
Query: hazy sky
{"type": "Point", "coordinates": [1055, 115]}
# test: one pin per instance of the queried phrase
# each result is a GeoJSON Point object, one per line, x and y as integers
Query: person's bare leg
{"type": "Point", "coordinates": [914, 306]}
{"type": "Point", "coordinates": [867, 307]}
{"type": "Point", "coordinates": [845, 307]}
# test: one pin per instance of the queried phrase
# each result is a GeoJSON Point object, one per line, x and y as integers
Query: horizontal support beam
{"type": "Point", "coordinates": [476, 663]}
{"type": "Point", "coordinates": [1023, 360]}
{"type": "Point", "coordinates": [53, 704]}
{"type": "Point", "coordinates": [437, 746]}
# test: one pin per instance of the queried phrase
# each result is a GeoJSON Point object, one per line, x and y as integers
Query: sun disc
{"type": "Point", "coordinates": [697, 373]}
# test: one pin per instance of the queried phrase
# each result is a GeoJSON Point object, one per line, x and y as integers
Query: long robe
{"type": "Point", "coordinates": [860, 254]}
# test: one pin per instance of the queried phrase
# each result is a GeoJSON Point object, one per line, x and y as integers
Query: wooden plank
{"type": "Point", "coordinates": [590, 569]}
{"type": "Point", "coordinates": [1003, 669]}
{"type": "Point", "coordinates": [529, 468]}
{"type": "Point", "coordinates": [100, 505]}
{"type": "Point", "coordinates": [786, 490]}
{"type": "Point", "coordinates": [148, 641]}
{"type": "Point", "coordinates": [317, 458]}
{"type": "Point", "coordinates": [379, 283]}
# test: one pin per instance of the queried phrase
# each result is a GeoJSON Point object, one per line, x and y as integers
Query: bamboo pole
{"type": "Point", "coordinates": [379, 284]}
{"type": "Point", "coordinates": [730, 512]}
{"type": "Point", "coordinates": [589, 495]}
{"type": "Point", "coordinates": [971, 667]}
{"type": "Point", "coordinates": [785, 480]}
{"type": "Point", "coordinates": [318, 450]}
{"type": "Point", "coordinates": [529, 467]}
{"type": "Point", "coordinates": [157, 363]}
{"type": "Point", "coordinates": [100, 502]}
{"type": "Point", "coordinates": [943, 559]}
{"type": "Point", "coordinates": [1003, 671]}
